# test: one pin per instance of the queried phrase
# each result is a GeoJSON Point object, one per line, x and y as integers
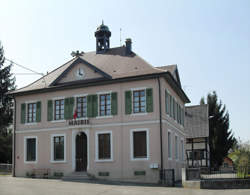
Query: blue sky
{"type": "Point", "coordinates": [209, 40]}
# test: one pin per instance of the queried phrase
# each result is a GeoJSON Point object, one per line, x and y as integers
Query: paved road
{"type": "Point", "coordinates": [25, 186]}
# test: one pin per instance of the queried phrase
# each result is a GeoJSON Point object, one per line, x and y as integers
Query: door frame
{"type": "Point", "coordinates": [74, 133]}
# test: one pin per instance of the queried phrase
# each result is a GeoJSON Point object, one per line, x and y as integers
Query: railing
{"type": "Point", "coordinates": [193, 173]}
{"type": "Point", "coordinates": [5, 167]}
{"type": "Point", "coordinates": [241, 172]}
{"type": "Point", "coordinates": [167, 177]}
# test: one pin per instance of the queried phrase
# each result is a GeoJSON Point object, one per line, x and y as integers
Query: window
{"type": "Point", "coordinates": [139, 101]}
{"type": "Point", "coordinates": [174, 109]}
{"type": "Point", "coordinates": [167, 101]}
{"type": "Point", "coordinates": [182, 150]}
{"type": "Point", "coordinates": [104, 105]}
{"type": "Point", "coordinates": [58, 148]}
{"type": "Point", "coordinates": [140, 145]}
{"type": "Point", "coordinates": [169, 145]}
{"type": "Point", "coordinates": [81, 105]}
{"type": "Point", "coordinates": [171, 105]}
{"type": "Point", "coordinates": [30, 149]}
{"type": "Point", "coordinates": [104, 146]}
{"type": "Point", "coordinates": [176, 147]}
{"type": "Point", "coordinates": [59, 109]}
{"type": "Point", "coordinates": [31, 117]}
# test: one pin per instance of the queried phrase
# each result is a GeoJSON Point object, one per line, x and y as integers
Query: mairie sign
{"type": "Point", "coordinates": [79, 122]}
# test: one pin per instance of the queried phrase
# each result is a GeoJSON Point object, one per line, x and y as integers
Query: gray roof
{"type": "Point", "coordinates": [196, 121]}
{"type": "Point", "coordinates": [113, 64]}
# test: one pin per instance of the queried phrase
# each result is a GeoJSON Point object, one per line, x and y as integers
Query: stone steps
{"type": "Point", "coordinates": [77, 176]}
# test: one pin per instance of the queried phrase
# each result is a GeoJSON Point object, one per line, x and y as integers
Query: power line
{"type": "Point", "coordinates": [34, 72]}
{"type": "Point", "coordinates": [25, 73]}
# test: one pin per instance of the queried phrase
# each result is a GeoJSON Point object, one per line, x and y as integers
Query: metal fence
{"type": "Point", "coordinates": [241, 172]}
{"type": "Point", "coordinates": [167, 177]}
{"type": "Point", "coordinates": [5, 167]}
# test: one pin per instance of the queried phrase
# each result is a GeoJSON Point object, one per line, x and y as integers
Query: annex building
{"type": "Point", "coordinates": [107, 112]}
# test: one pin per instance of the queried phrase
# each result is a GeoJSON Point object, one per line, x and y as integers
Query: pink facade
{"type": "Point", "coordinates": [97, 74]}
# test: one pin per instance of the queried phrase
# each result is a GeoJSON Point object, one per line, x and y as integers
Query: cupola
{"type": "Point", "coordinates": [102, 35]}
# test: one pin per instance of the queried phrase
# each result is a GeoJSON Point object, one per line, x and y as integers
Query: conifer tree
{"type": "Point", "coordinates": [221, 138]}
{"type": "Point", "coordinates": [7, 82]}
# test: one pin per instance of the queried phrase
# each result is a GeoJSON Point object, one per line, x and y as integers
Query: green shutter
{"type": "Point", "coordinates": [149, 100]}
{"type": "Point", "coordinates": [95, 105]}
{"type": "Point", "coordinates": [170, 105]}
{"type": "Point", "coordinates": [50, 110]}
{"type": "Point", "coordinates": [68, 108]}
{"type": "Point", "coordinates": [38, 111]}
{"type": "Point", "coordinates": [167, 101]}
{"type": "Point", "coordinates": [114, 103]}
{"type": "Point", "coordinates": [128, 102]}
{"type": "Point", "coordinates": [23, 113]}
{"type": "Point", "coordinates": [89, 106]}
{"type": "Point", "coordinates": [71, 107]}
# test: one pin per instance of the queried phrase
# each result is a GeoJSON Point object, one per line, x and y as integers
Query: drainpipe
{"type": "Point", "coordinates": [159, 84]}
{"type": "Point", "coordinates": [14, 142]}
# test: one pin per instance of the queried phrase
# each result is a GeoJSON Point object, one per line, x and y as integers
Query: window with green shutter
{"type": "Point", "coordinates": [114, 103]}
{"type": "Point", "coordinates": [167, 101]}
{"type": "Point", "coordinates": [89, 106]}
{"type": "Point", "coordinates": [38, 111]}
{"type": "Point", "coordinates": [128, 102]}
{"type": "Point", "coordinates": [50, 110]}
{"type": "Point", "coordinates": [92, 105]}
{"type": "Point", "coordinates": [95, 105]}
{"type": "Point", "coordinates": [68, 108]}
{"type": "Point", "coordinates": [149, 99]}
{"type": "Point", "coordinates": [171, 105]}
{"type": "Point", "coordinates": [23, 113]}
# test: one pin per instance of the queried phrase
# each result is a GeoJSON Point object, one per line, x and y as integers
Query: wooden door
{"type": "Point", "coordinates": [81, 152]}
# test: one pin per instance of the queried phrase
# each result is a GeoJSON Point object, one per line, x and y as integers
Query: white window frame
{"type": "Point", "coordinates": [53, 110]}
{"type": "Point", "coordinates": [140, 113]}
{"type": "Point", "coordinates": [25, 150]}
{"type": "Point", "coordinates": [182, 149]}
{"type": "Point", "coordinates": [52, 148]}
{"type": "Point", "coordinates": [168, 92]}
{"type": "Point", "coordinates": [132, 144]}
{"type": "Point", "coordinates": [98, 104]}
{"type": "Point", "coordinates": [26, 112]}
{"type": "Point", "coordinates": [170, 152]}
{"type": "Point", "coordinates": [75, 105]}
{"type": "Point", "coordinates": [97, 133]}
{"type": "Point", "coordinates": [176, 147]}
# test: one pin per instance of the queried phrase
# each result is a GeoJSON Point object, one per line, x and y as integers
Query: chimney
{"type": "Point", "coordinates": [128, 46]}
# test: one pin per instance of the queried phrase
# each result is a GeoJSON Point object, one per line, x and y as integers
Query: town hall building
{"type": "Point", "coordinates": [107, 113]}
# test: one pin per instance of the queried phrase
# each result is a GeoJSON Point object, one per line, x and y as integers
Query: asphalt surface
{"type": "Point", "coordinates": [25, 186]}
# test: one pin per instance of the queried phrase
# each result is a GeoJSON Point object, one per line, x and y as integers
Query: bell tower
{"type": "Point", "coordinates": [102, 35]}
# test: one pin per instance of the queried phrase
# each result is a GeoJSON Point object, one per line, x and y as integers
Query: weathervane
{"type": "Point", "coordinates": [77, 53]}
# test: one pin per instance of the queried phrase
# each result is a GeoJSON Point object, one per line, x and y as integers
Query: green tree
{"type": "Point", "coordinates": [221, 138]}
{"type": "Point", "coordinates": [7, 83]}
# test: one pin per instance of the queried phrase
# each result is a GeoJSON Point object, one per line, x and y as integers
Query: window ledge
{"type": "Point", "coordinates": [139, 114]}
{"type": "Point", "coordinates": [32, 123]}
{"type": "Point", "coordinates": [140, 159]}
{"type": "Point", "coordinates": [101, 117]}
{"type": "Point", "coordinates": [82, 118]}
{"type": "Point", "coordinates": [58, 121]}
{"type": "Point", "coordinates": [30, 162]}
{"type": "Point", "coordinates": [59, 161]}
{"type": "Point", "coordinates": [104, 160]}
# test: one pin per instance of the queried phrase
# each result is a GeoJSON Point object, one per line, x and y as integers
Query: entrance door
{"type": "Point", "coordinates": [81, 152]}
